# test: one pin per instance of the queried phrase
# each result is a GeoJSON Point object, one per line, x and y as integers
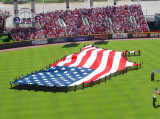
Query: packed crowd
{"type": "Point", "coordinates": [74, 22]}
{"type": "Point", "coordinates": [96, 19]}
{"type": "Point", "coordinates": [140, 19]}
{"type": "Point", "coordinates": [3, 15]}
{"type": "Point", "coordinates": [123, 19]}
{"type": "Point", "coordinates": [27, 33]}
{"type": "Point", "coordinates": [51, 27]}
{"type": "Point", "coordinates": [1, 22]}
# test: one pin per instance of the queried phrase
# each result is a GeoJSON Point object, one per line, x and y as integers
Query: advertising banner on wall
{"type": "Point", "coordinates": [155, 35]}
{"type": "Point", "coordinates": [60, 40]}
{"type": "Point", "coordinates": [100, 37]}
{"type": "Point", "coordinates": [39, 42]}
{"type": "Point", "coordinates": [139, 35]}
{"type": "Point", "coordinates": [80, 38]}
{"type": "Point", "coordinates": [119, 35]}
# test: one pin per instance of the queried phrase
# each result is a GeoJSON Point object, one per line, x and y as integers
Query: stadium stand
{"type": "Point", "coordinates": [3, 17]}
{"type": "Point", "coordinates": [120, 17]}
{"type": "Point", "coordinates": [74, 22]}
{"type": "Point", "coordinates": [100, 20]}
{"type": "Point", "coordinates": [97, 22]}
{"type": "Point", "coordinates": [138, 15]}
{"type": "Point", "coordinates": [1, 22]}
{"type": "Point", "coordinates": [50, 25]}
{"type": "Point", "coordinates": [27, 34]}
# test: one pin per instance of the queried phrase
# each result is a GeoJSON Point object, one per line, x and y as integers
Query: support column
{"type": "Point", "coordinates": [91, 3]}
{"type": "Point", "coordinates": [33, 12]}
{"type": "Point", "coordinates": [114, 2]}
{"type": "Point", "coordinates": [16, 13]}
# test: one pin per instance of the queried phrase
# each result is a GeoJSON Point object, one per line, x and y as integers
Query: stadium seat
{"type": "Point", "coordinates": [100, 20]}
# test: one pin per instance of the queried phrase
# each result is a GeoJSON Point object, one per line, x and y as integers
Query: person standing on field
{"type": "Point", "coordinates": [154, 101]}
{"type": "Point", "coordinates": [152, 76]}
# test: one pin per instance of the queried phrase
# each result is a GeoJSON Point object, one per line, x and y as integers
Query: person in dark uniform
{"type": "Point", "coordinates": [154, 100]}
{"type": "Point", "coordinates": [152, 76]}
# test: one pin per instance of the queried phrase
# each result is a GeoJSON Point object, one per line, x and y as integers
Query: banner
{"type": "Point", "coordinates": [100, 37]}
{"type": "Point", "coordinates": [119, 35]}
{"type": "Point", "coordinates": [39, 42]}
{"type": "Point", "coordinates": [80, 38]}
{"type": "Point", "coordinates": [60, 40]}
{"type": "Point", "coordinates": [154, 35]}
{"type": "Point", "coordinates": [139, 35]}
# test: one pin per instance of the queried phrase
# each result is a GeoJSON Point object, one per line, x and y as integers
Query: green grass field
{"type": "Point", "coordinates": [126, 96]}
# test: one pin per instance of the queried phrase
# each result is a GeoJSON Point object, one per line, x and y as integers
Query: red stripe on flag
{"type": "Point", "coordinates": [87, 48]}
{"type": "Point", "coordinates": [85, 58]}
{"type": "Point", "coordinates": [73, 60]}
{"type": "Point", "coordinates": [98, 60]}
{"type": "Point", "coordinates": [107, 68]}
{"type": "Point", "coordinates": [122, 63]}
{"type": "Point", "coordinates": [134, 64]}
{"type": "Point", "coordinates": [55, 64]}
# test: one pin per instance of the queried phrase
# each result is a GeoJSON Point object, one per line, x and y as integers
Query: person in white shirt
{"type": "Point", "coordinates": [154, 101]}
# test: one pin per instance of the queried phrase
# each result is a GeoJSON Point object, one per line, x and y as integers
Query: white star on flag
{"type": "Point", "coordinates": [55, 71]}
{"type": "Point", "coordinates": [75, 72]}
{"type": "Point", "coordinates": [72, 69]}
{"type": "Point", "coordinates": [63, 68]}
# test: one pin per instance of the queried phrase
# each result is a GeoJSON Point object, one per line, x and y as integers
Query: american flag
{"type": "Point", "coordinates": [89, 65]}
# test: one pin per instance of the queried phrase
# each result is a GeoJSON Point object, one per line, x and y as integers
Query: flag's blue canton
{"type": "Point", "coordinates": [56, 76]}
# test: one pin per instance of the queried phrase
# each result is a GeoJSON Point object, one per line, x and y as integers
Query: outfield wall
{"type": "Point", "coordinates": [80, 38]}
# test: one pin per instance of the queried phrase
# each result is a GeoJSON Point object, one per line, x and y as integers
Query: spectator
{"type": "Point", "coordinates": [100, 20]}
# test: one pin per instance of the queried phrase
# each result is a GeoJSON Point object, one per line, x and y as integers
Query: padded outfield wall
{"type": "Point", "coordinates": [80, 38]}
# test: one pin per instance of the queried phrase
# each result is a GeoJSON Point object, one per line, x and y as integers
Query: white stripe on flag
{"type": "Point", "coordinates": [129, 64]}
{"type": "Point", "coordinates": [68, 59]}
{"type": "Point", "coordinates": [91, 59]}
{"type": "Point", "coordinates": [98, 70]}
{"type": "Point", "coordinates": [80, 57]}
{"type": "Point", "coordinates": [115, 64]}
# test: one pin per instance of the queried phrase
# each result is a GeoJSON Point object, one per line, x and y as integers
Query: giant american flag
{"type": "Point", "coordinates": [89, 65]}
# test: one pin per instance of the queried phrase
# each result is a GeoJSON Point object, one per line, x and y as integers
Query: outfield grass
{"type": "Point", "coordinates": [126, 96]}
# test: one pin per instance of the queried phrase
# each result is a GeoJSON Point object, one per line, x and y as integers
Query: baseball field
{"type": "Point", "coordinates": [127, 96]}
